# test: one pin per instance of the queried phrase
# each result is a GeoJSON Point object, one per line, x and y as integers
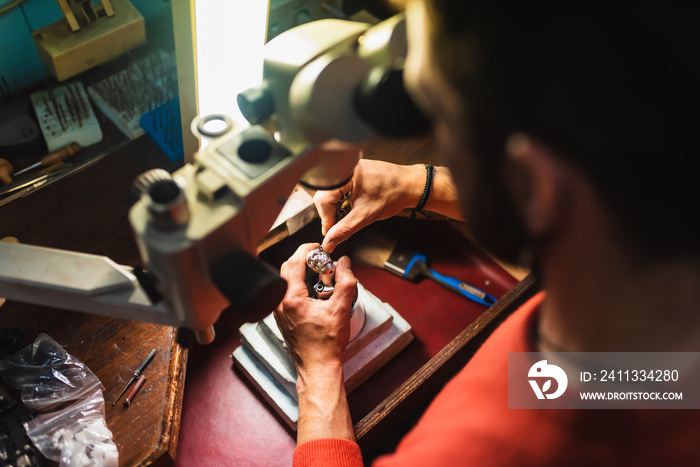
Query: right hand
{"type": "Point", "coordinates": [316, 331]}
{"type": "Point", "coordinates": [378, 190]}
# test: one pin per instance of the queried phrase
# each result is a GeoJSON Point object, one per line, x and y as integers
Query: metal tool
{"type": "Point", "coordinates": [24, 191]}
{"type": "Point", "coordinates": [130, 398]}
{"type": "Point", "coordinates": [59, 155]}
{"type": "Point", "coordinates": [135, 375]}
{"type": "Point", "coordinates": [15, 186]}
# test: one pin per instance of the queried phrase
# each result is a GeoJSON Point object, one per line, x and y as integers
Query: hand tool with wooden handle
{"type": "Point", "coordinates": [5, 171]}
{"type": "Point", "coordinates": [54, 157]}
{"type": "Point", "coordinates": [136, 374]}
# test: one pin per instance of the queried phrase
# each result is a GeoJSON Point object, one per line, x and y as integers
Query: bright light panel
{"type": "Point", "coordinates": [230, 40]}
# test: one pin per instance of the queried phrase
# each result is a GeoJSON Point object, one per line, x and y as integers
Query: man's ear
{"type": "Point", "coordinates": [538, 182]}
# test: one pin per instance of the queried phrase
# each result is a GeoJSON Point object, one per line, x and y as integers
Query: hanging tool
{"type": "Point", "coordinates": [136, 374]}
{"type": "Point", "coordinates": [59, 155]}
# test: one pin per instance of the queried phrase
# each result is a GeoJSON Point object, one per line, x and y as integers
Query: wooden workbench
{"type": "Point", "coordinates": [88, 213]}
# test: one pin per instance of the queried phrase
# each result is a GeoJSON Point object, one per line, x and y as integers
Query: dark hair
{"type": "Point", "coordinates": [612, 90]}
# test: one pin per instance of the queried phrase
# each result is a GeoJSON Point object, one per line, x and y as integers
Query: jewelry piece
{"type": "Point", "coordinates": [426, 192]}
{"type": "Point", "coordinates": [320, 261]}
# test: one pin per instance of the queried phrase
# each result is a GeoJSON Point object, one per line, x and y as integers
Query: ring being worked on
{"type": "Point", "coordinates": [320, 261]}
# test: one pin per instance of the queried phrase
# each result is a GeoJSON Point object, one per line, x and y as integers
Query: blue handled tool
{"type": "Point", "coordinates": [383, 252]}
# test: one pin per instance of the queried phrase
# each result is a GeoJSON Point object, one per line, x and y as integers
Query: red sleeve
{"type": "Point", "coordinates": [328, 453]}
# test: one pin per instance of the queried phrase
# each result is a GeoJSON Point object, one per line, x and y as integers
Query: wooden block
{"type": "Point", "coordinates": [272, 378]}
{"type": "Point", "coordinates": [66, 53]}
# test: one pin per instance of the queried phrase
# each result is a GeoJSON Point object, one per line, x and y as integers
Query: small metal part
{"type": "Point", "coordinates": [52, 96]}
{"type": "Point", "coordinates": [46, 105]}
{"type": "Point", "coordinates": [60, 115]}
{"type": "Point", "coordinates": [78, 96]}
{"type": "Point", "coordinates": [69, 106]}
{"type": "Point", "coordinates": [27, 169]}
{"type": "Point", "coordinates": [168, 206]}
{"type": "Point", "coordinates": [214, 125]}
{"type": "Point", "coordinates": [323, 291]}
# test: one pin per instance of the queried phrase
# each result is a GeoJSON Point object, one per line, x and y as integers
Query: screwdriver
{"type": "Point", "coordinates": [54, 157]}
{"type": "Point", "coordinates": [130, 398]}
{"type": "Point", "coordinates": [136, 374]}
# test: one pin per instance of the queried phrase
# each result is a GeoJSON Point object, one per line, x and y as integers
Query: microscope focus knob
{"type": "Point", "coordinates": [256, 104]}
{"type": "Point", "coordinates": [165, 198]}
{"type": "Point", "coordinates": [248, 283]}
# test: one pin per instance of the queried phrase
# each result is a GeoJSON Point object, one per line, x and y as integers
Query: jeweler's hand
{"type": "Point", "coordinates": [316, 331]}
{"type": "Point", "coordinates": [377, 190]}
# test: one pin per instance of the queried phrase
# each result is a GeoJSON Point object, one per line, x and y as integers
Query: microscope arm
{"type": "Point", "coordinates": [184, 254]}
{"type": "Point", "coordinates": [76, 281]}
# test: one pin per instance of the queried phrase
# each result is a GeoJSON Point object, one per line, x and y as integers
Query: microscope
{"type": "Point", "coordinates": [328, 85]}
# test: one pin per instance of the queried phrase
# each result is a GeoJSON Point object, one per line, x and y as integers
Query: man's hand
{"type": "Point", "coordinates": [378, 190]}
{"type": "Point", "coordinates": [317, 332]}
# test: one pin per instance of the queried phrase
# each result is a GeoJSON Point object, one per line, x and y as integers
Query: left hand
{"type": "Point", "coordinates": [316, 331]}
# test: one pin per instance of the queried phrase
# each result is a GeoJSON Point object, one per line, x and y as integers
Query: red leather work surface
{"type": "Point", "coordinates": [224, 420]}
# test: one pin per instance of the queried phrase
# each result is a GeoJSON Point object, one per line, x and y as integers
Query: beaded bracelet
{"type": "Point", "coordinates": [426, 192]}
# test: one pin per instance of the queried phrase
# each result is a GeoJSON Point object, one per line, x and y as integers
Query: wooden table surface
{"type": "Point", "coordinates": [88, 213]}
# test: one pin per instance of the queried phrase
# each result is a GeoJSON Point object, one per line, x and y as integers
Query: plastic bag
{"type": "Point", "coordinates": [47, 375]}
{"type": "Point", "coordinates": [76, 435]}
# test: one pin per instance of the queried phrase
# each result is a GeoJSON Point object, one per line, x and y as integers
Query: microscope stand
{"type": "Point", "coordinates": [269, 366]}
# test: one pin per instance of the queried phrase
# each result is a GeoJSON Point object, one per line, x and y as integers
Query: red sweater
{"type": "Point", "coordinates": [469, 423]}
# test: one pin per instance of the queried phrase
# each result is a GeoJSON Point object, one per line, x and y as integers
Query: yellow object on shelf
{"type": "Point", "coordinates": [67, 53]}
